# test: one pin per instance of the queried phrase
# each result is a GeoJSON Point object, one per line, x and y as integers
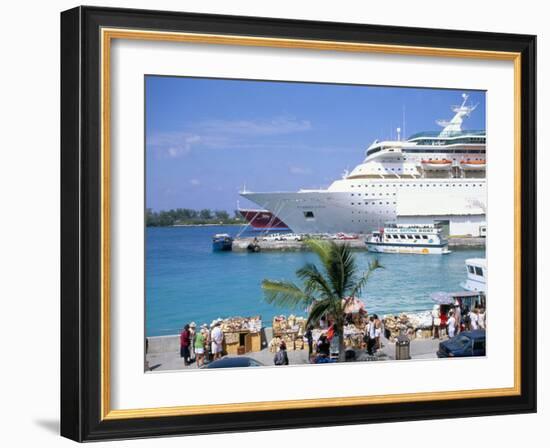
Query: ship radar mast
{"type": "Point", "coordinates": [461, 112]}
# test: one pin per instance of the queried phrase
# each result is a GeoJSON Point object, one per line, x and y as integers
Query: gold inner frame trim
{"type": "Point", "coordinates": [107, 35]}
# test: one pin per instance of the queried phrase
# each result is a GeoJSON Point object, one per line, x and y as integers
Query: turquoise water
{"type": "Point", "coordinates": [186, 281]}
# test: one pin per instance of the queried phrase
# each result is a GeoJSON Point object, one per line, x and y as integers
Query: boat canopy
{"type": "Point", "coordinates": [448, 298]}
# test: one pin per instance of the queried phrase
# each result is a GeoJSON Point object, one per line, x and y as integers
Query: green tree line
{"type": "Point", "coordinates": [187, 216]}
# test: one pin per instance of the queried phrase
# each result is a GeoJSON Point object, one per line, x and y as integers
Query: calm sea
{"type": "Point", "coordinates": [186, 281]}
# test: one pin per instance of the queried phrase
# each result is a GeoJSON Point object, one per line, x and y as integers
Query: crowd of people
{"type": "Point", "coordinates": [456, 320]}
{"type": "Point", "coordinates": [202, 345]}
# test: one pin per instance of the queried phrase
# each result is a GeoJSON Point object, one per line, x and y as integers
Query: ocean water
{"type": "Point", "coordinates": [186, 281]}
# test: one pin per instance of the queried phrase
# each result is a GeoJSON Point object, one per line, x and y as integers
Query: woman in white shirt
{"type": "Point", "coordinates": [451, 325]}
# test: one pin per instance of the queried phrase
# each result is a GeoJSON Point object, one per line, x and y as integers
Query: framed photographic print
{"type": "Point", "coordinates": [273, 223]}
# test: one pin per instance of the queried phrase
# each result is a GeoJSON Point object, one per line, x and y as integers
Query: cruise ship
{"type": "Point", "coordinates": [431, 177]}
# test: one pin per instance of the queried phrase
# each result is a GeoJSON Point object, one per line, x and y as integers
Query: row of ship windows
{"type": "Point", "coordinates": [371, 203]}
{"type": "Point", "coordinates": [373, 194]}
{"type": "Point", "coordinates": [418, 185]}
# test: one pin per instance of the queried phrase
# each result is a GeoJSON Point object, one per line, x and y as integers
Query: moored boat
{"type": "Point", "coordinates": [476, 275]}
{"type": "Point", "coordinates": [222, 242]}
{"type": "Point", "coordinates": [409, 239]}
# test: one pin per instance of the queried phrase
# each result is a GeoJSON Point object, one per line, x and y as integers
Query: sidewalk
{"type": "Point", "coordinates": [419, 349]}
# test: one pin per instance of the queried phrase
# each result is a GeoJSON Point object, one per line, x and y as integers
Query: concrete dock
{"type": "Point", "coordinates": [241, 244]}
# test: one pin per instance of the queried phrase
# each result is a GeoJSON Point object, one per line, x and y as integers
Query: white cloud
{"type": "Point", "coordinates": [195, 182]}
{"type": "Point", "coordinates": [274, 126]}
{"type": "Point", "coordinates": [224, 134]}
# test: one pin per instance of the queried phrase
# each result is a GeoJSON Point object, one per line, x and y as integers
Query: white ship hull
{"type": "Point", "coordinates": [329, 211]}
{"type": "Point", "coordinates": [402, 249]}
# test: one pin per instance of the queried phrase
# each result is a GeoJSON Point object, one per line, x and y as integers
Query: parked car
{"type": "Point", "coordinates": [467, 343]}
{"type": "Point", "coordinates": [292, 237]}
{"type": "Point", "coordinates": [240, 361]}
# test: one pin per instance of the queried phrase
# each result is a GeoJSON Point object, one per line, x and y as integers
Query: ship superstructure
{"type": "Point", "coordinates": [431, 175]}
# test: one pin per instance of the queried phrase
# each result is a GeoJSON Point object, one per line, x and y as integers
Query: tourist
{"type": "Point", "coordinates": [451, 324]}
{"type": "Point", "coordinates": [198, 344]}
{"type": "Point", "coordinates": [377, 331]}
{"type": "Point", "coordinates": [192, 330]}
{"type": "Point", "coordinates": [309, 337]}
{"type": "Point", "coordinates": [371, 335]}
{"type": "Point", "coordinates": [207, 342]}
{"type": "Point", "coordinates": [436, 322]}
{"type": "Point", "coordinates": [481, 318]}
{"type": "Point", "coordinates": [474, 320]}
{"type": "Point", "coordinates": [443, 324]}
{"type": "Point", "coordinates": [217, 340]}
{"type": "Point", "coordinates": [323, 346]}
{"type": "Point", "coordinates": [458, 316]}
{"type": "Point", "coordinates": [334, 342]}
{"type": "Point", "coordinates": [281, 357]}
{"type": "Point", "coordinates": [185, 341]}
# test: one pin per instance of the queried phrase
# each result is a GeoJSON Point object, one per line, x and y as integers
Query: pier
{"type": "Point", "coordinates": [242, 244]}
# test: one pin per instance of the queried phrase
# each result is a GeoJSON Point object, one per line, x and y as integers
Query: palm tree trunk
{"type": "Point", "coordinates": [341, 348]}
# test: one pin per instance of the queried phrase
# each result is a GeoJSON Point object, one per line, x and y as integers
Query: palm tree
{"type": "Point", "coordinates": [324, 292]}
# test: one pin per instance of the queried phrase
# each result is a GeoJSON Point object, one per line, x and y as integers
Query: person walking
{"type": "Point", "coordinates": [281, 357]}
{"type": "Point", "coordinates": [217, 340]}
{"type": "Point", "coordinates": [451, 325]}
{"type": "Point", "coordinates": [185, 341]}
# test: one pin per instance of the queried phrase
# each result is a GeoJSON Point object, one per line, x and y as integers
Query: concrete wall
{"type": "Point", "coordinates": [458, 225]}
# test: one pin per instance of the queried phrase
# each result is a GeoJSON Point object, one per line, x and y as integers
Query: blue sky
{"type": "Point", "coordinates": [207, 138]}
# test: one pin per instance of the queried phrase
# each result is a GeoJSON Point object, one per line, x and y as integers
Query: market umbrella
{"type": "Point", "coordinates": [354, 305]}
{"type": "Point", "coordinates": [442, 298]}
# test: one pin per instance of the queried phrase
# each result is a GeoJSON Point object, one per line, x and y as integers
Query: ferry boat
{"type": "Point", "coordinates": [476, 275]}
{"type": "Point", "coordinates": [262, 220]}
{"type": "Point", "coordinates": [440, 173]}
{"type": "Point", "coordinates": [222, 242]}
{"type": "Point", "coordinates": [409, 239]}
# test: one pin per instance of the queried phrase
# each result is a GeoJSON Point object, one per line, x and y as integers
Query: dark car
{"type": "Point", "coordinates": [241, 361]}
{"type": "Point", "coordinates": [467, 343]}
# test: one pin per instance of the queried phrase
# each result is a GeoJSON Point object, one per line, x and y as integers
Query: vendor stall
{"type": "Point", "coordinates": [242, 335]}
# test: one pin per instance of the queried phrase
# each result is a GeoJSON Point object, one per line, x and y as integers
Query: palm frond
{"type": "Point", "coordinates": [341, 268]}
{"type": "Point", "coordinates": [318, 310]}
{"type": "Point", "coordinates": [361, 282]}
{"type": "Point", "coordinates": [284, 294]}
{"type": "Point", "coordinates": [314, 281]}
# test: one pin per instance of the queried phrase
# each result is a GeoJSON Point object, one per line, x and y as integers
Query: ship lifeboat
{"type": "Point", "coordinates": [473, 165]}
{"type": "Point", "coordinates": [443, 164]}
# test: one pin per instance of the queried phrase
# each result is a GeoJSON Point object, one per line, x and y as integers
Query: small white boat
{"type": "Point", "coordinates": [409, 239]}
{"type": "Point", "coordinates": [476, 275]}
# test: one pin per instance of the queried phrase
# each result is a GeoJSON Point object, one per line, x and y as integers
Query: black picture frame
{"type": "Point", "coordinates": [81, 224]}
